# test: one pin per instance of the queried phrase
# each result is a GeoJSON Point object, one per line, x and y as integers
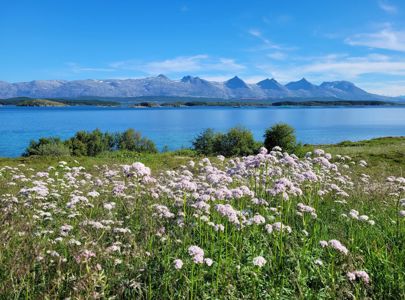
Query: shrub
{"type": "Point", "coordinates": [132, 140]}
{"type": "Point", "coordinates": [237, 141]}
{"type": "Point", "coordinates": [282, 135]}
{"type": "Point", "coordinates": [52, 146]}
{"type": "Point", "coordinates": [205, 143]}
{"type": "Point", "coordinates": [91, 143]}
{"type": "Point", "coordinates": [85, 143]}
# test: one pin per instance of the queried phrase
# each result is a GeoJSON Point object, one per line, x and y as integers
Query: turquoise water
{"type": "Point", "coordinates": [176, 127]}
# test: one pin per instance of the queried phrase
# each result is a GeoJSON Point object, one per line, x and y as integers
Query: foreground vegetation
{"type": "Point", "coordinates": [266, 226]}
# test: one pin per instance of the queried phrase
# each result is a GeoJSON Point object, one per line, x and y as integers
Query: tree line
{"type": "Point", "coordinates": [237, 141]}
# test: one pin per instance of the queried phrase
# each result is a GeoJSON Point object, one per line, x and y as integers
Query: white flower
{"type": "Point", "coordinates": [319, 262]}
{"type": "Point", "coordinates": [178, 264]}
{"type": "Point", "coordinates": [109, 205]}
{"type": "Point", "coordinates": [208, 261]}
{"type": "Point", "coordinates": [259, 261]}
{"type": "Point", "coordinates": [323, 244]}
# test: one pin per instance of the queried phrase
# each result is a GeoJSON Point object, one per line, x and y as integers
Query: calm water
{"type": "Point", "coordinates": [176, 127]}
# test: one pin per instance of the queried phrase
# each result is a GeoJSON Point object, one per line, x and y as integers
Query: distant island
{"type": "Point", "coordinates": [161, 102]}
{"type": "Point", "coordinates": [238, 104]}
{"type": "Point", "coordinates": [41, 103]}
{"type": "Point", "coordinates": [51, 102]}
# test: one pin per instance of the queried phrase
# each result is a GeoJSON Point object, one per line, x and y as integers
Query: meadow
{"type": "Point", "coordinates": [327, 224]}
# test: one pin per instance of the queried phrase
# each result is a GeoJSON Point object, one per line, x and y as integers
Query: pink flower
{"type": "Point", "coordinates": [178, 264]}
{"type": "Point", "coordinates": [335, 244]}
{"type": "Point", "coordinates": [362, 275]}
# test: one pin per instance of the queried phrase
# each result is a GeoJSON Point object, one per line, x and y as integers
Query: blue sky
{"type": "Point", "coordinates": [362, 41]}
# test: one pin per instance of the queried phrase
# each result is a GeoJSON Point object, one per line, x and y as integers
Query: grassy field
{"type": "Point", "coordinates": [179, 226]}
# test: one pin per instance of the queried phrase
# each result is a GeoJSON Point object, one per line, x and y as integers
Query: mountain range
{"type": "Point", "coordinates": [188, 86]}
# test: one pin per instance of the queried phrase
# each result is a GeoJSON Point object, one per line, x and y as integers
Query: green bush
{"type": "Point", "coordinates": [281, 135]}
{"type": "Point", "coordinates": [132, 140]}
{"type": "Point", "coordinates": [93, 143]}
{"type": "Point", "coordinates": [205, 143]}
{"type": "Point", "coordinates": [237, 141]}
{"type": "Point", "coordinates": [52, 146]}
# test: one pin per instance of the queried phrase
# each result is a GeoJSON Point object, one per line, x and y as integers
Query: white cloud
{"type": "Point", "coordinates": [181, 64]}
{"type": "Point", "coordinates": [267, 44]}
{"type": "Point", "coordinates": [77, 68]}
{"type": "Point", "coordinates": [277, 55]}
{"type": "Point", "coordinates": [388, 8]}
{"type": "Point", "coordinates": [332, 67]}
{"type": "Point", "coordinates": [386, 38]}
{"type": "Point", "coordinates": [390, 88]}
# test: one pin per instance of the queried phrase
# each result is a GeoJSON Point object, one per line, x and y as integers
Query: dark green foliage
{"type": "Point", "coordinates": [237, 141]}
{"type": "Point", "coordinates": [85, 143]}
{"type": "Point", "coordinates": [205, 143]}
{"type": "Point", "coordinates": [132, 140]}
{"type": "Point", "coordinates": [90, 143]}
{"type": "Point", "coordinates": [47, 146]}
{"type": "Point", "coordinates": [282, 135]}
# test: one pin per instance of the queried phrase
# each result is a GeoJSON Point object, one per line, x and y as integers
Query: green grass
{"type": "Point", "coordinates": [385, 155]}
{"type": "Point", "coordinates": [37, 261]}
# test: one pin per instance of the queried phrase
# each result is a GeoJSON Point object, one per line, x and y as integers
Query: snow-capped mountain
{"type": "Point", "coordinates": [188, 86]}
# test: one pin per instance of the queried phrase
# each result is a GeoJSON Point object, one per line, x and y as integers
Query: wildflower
{"type": "Point", "coordinates": [351, 276]}
{"type": "Point", "coordinates": [163, 212]}
{"type": "Point", "coordinates": [318, 262]}
{"type": "Point", "coordinates": [335, 244]}
{"type": "Point", "coordinates": [109, 205]}
{"type": "Point", "coordinates": [305, 208]}
{"type": "Point", "coordinates": [362, 275]}
{"type": "Point", "coordinates": [64, 229]}
{"type": "Point", "coordinates": [178, 264]}
{"type": "Point", "coordinates": [323, 244]}
{"type": "Point", "coordinates": [208, 261]}
{"type": "Point", "coordinates": [93, 194]}
{"type": "Point", "coordinates": [197, 253]}
{"type": "Point", "coordinates": [269, 228]}
{"type": "Point", "coordinates": [362, 163]}
{"type": "Point", "coordinates": [278, 226]}
{"type": "Point", "coordinates": [221, 157]}
{"type": "Point", "coordinates": [259, 261]}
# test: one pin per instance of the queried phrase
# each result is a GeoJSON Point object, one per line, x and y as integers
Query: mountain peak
{"type": "Point", "coordinates": [342, 85]}
{"type": "Point", "coordinates": [270, 84]}
{"type": "Point", "coordinates": [191, 79]}
{"type": "Point", "coordinates": [188, 86]}
{"type": "Point", "coordinates": [161, 76]}
{"type": "Point", "coordinates": [345, 86]}
{"type": "Point", "coordinates": [186, 78]}
{"type": "Point", "coordinates": [301, 84]}
{"type": "Point", "coordinates": [236, 83]}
